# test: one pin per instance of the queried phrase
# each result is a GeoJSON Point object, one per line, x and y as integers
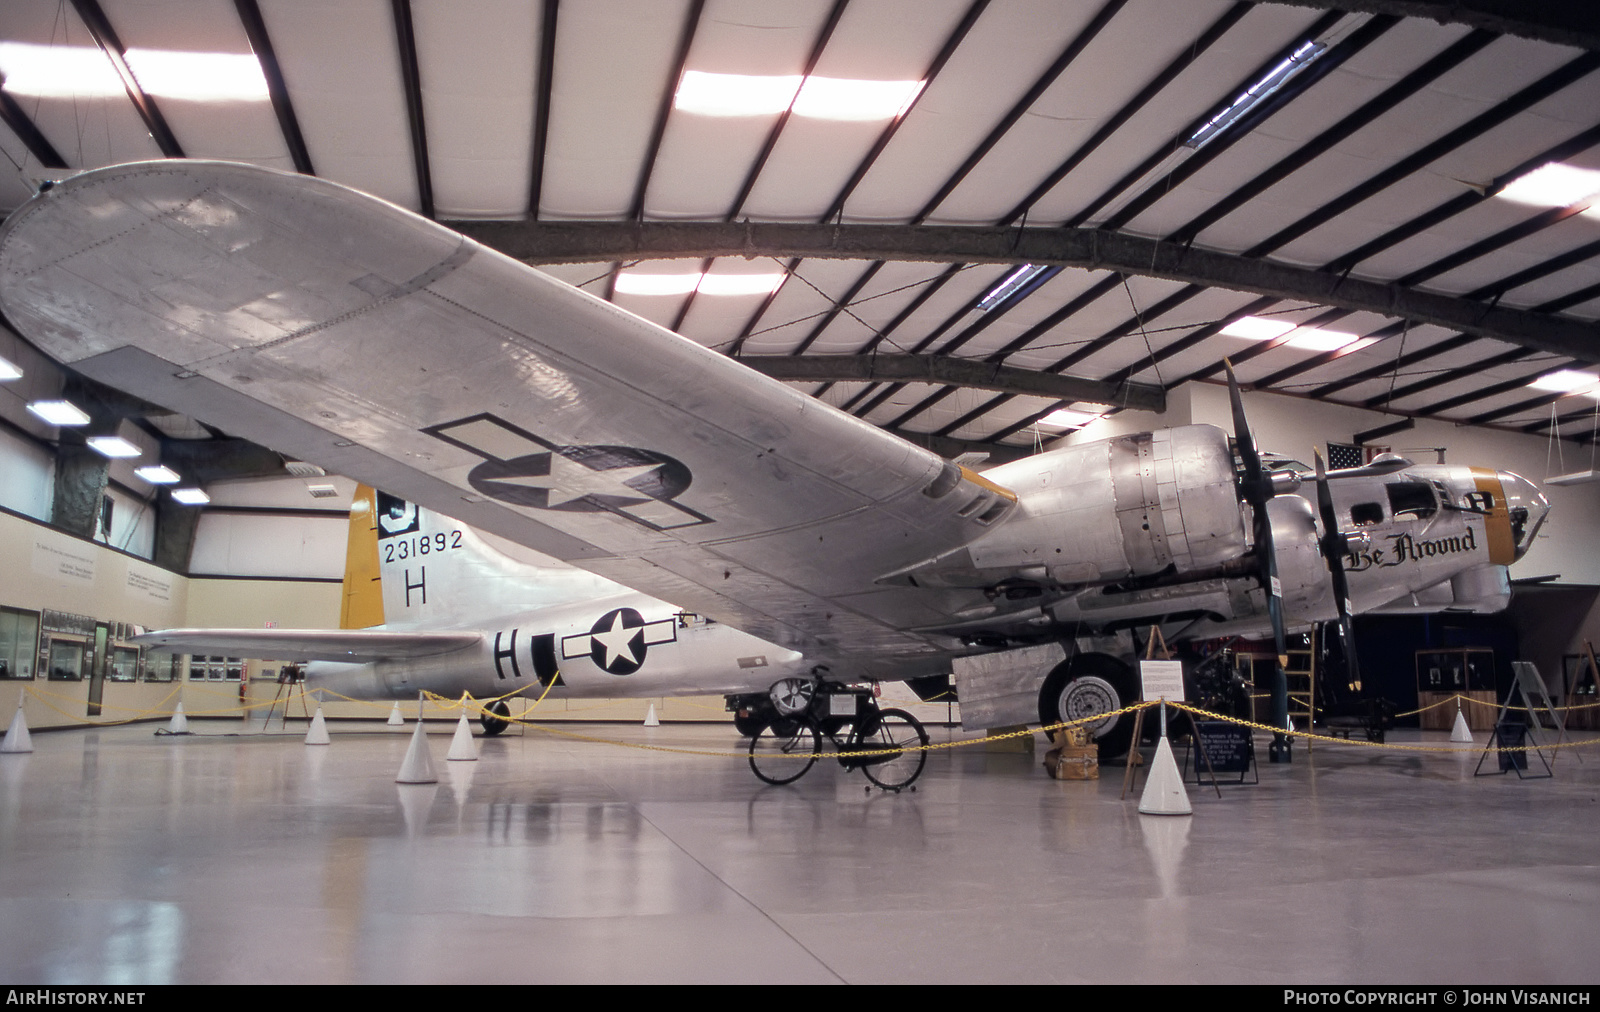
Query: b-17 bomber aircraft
{"type": "Point", "coordinates": [337, 328]}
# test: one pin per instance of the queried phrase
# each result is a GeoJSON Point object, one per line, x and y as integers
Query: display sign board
{"type": "Point", "coordinates": [1226, 744]}
{"type": "Point", "coordinates": [1162, 680]}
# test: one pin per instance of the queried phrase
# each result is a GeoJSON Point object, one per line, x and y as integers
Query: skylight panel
{"type": "Point", "coordinates": [1312, 339]}
{"type": "Point", "coordinates": [657, 284]}
{"type": "Point", "coordinates": [1067, 418]}
{"type": "Point", "coordinates": [833, 98]}
{"type": "Point", "coordinates": [740, 284]}
{"type": "Point", "coordinates": [1258, 328]}
{"type": "Point", "coordinates": [705, 284]}
{"type": "Point", "coordinates": [9, 370]}
{"type": "Point", "coordinates": [1254, 95]}
{"type": "Point", "coordinates": [84, 72]}
{"type": "Point", "coordinates": [1566, 381]}
{"type": "Point", "coordinates": [1553, 185]}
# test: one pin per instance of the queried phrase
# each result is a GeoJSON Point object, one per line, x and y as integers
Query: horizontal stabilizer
{"type": "Point", "coordinates": [355, 645]}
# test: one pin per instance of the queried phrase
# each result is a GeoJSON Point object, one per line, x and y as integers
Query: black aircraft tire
{"type": "Point", "coordinates": [1086, 684]}
{"type": "Point", "coordinates": [494, 725]}
{"type": "Point", "coordinates": [748, 726]}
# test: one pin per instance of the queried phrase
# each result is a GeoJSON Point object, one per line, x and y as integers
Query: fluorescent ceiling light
{"type": "Point", "coordinates": [1066, 418]}
{"type": "Point", "coordinates": [1565, 381]}
{"type": "Point", "coordinates": [706, 284]}
{"type": "Point", "coordinates": [113, 446]}
{"type": "Point", "coordinates": [1553, 185]}
{"type": "Point", "coordinates": [1258, 328]}
{"type": "Point", "coordinates": [1252, 96]}
{"type": "Point", "coordinates": [157, 474]}
{"type": "Point", "coordinates": [816, 97]}
{"type": "Point", "coordinates": [59, 412]}
{"type": "Point", "coordinates": [9, 370]}
{"type": "Point", "coordinates": [84, 72]}
{"type": "Point", "coordinates": [1011, 284]}
{"type": "Point", "coordinates": [190, 496]}
{"type": "Point", "coordinates": [1312, 339]}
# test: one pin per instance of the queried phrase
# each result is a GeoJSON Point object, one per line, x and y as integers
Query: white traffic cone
{"type": "Point", "coordinates": [1461, 732]}
{"type": "Point", "coordinates": [395, 720]}
{"type": "Point", "coordinates": [462, 747]}
{"type": "Point", "coordinates": [317, 733]}
{"type": "Point", "coordinates": [650, 719]}
{"type": "Point", "coordinates": [417, 767]}
{"type": "Point", "coordinates": [17, 737]}
{"type": "Point", "coordinates": [179, 724]}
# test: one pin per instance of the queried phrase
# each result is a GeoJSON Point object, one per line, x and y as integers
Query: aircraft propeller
{"type": "Point", "coordinates": [1256, 487]}
{"type": "Point", "coordinates": [1334, 549]}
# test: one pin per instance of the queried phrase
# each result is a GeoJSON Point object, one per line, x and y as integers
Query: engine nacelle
{"type": "Point", "coordinates": [1174, 506]}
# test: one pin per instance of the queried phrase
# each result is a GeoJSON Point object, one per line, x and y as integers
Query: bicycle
{"type": "Point", "coordinates": [889, 746]}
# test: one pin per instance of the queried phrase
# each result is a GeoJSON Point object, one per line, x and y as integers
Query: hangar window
{"type": "Point", "coordinates": [215, 669]}
{"type": "Point", "coordinates": [19, 642]}
{"type": "Point", "coordinates": [1412, 500]}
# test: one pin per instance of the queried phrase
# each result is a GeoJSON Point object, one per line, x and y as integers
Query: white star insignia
{"type": "Point", "coordinates": [618, 641]}
{"type": "Point", "coordinates": [569, 480]}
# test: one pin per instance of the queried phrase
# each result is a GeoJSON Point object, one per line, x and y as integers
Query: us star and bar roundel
{"type": "Point", "coordinates": [523, 469]}
{"type": "Point", "coordinates": [619, 641]}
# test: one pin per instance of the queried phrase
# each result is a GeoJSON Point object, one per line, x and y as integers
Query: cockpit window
{"type": "Point", "coordinates": [1364, 514]}
{"type": "Point", "coordinates": [1411, 500]}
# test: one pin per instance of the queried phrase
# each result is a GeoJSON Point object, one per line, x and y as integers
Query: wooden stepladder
{"type": "Point", "coordinates": [1508, 738]}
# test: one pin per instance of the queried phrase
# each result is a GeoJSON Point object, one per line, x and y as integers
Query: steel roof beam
{"type": "Point", "coordinates": [94, 18]}
{"type": "Point", "coordinates": [970, 373]}
{"type": "Point", "coordinates": [13, 116]}
{"type": "Point", "coordinates": [658, 130]}
{"type": "Point", "coordinates": [1567, 24]}
{"type": "Point", "coordinates": [541, 101]}
{"type": "Point", "coordinates": [255, 29]}
{"type": "Point", "coordinates": [584, 242]}
{"type": "Point", "coordinates": [411, 81]}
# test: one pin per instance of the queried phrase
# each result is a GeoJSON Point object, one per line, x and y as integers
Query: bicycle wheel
{"type": "Point", "coordinates": [781, 752]}
{"type": "Point", "coordinates": [897, 729]}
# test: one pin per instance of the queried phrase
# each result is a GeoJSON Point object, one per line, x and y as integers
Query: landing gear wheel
{"type": "Point", "coordinates": [502, 719]}
{"type": "Point", "coordinates": [782, 752]}
{"type": "Point", "coordinates": [747, 726]}
{"type": "Point", "coordinates": [897, 729]}
{"type": "Point", "coordinates": [1085, 685]}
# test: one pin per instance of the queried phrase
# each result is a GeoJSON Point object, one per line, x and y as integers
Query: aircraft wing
{"type": "Point", "coordinates": [338, 328]}
{"type": "Point", "coordinates": [355, 645]}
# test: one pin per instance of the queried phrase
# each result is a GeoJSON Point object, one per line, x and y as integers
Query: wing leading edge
{"type": "Point", "coordinates": [331, 325]}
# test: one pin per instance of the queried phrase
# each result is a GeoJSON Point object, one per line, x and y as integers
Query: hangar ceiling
{"type": "Point", "coordinates": [1341, 198]}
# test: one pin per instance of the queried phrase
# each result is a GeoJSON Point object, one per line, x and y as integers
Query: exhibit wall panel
{"type": "Point", "coordinates": [88, 584]}
{"type": "Point", "coordinates": [133, 524]}
{"type": "Point", "coordinates": [27, 471]}
{"type": "Point", "coordinates": [271, 545]}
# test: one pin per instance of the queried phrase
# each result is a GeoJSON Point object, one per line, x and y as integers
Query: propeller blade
{"type": "Point", "coordinates": [1256, 489]}
{"type": "Point", "coordinates": [1334, 549]}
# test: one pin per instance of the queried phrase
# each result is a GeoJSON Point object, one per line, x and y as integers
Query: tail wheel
{"type": "Point", "coordinates": [1086, 685]}
{"type": "Point", "coordinates": [495, 724]}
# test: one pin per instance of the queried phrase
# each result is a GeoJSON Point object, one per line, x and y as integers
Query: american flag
{"type": "Point", "coordinates": [1341, 455]}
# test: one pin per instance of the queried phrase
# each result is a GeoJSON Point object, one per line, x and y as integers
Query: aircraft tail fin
{"type": "Point", "coordinates": [361, 605]}
{"type": "Point", "coordinates": [438, 573]}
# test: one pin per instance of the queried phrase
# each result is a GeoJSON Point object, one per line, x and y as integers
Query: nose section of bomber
{"type": "Point", "coordinates": [1526, 508]}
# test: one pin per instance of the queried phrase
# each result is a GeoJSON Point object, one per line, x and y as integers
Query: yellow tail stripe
{"type": "Point", "coordinates": [361, 605]}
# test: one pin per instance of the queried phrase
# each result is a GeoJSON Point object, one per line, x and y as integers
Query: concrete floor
{"type": "Point", "coordinates": [131, 858]}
